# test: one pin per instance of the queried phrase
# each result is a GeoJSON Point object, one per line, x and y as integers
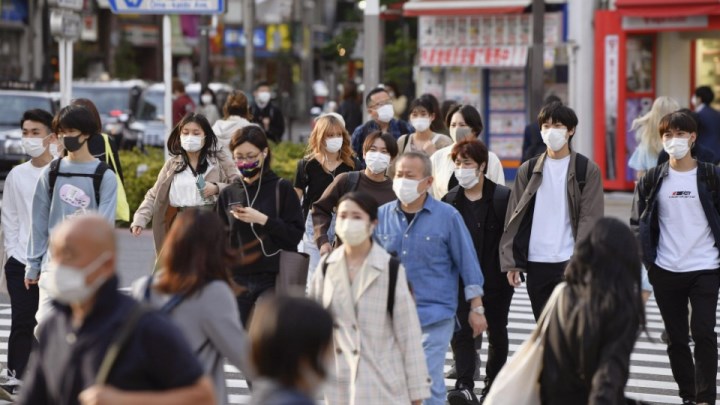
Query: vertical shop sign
{"type": "Point", "coordinates": [612, 78]}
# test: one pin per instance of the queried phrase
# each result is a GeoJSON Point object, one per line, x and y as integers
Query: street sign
{"type": "Point", "coordinates": [65, 24]}
{"type": "Point", "coordinates": [167, 6]}
{"type": "Point", "coordinates": [76, 5]}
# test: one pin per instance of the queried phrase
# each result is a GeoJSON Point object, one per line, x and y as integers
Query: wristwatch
{"type": "Point", "coordinates": [480, 310]}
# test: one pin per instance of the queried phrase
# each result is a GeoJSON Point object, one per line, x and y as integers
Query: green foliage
{"type": "Point", "coordinates": [136, 187]}
{"type": "Point", "coordinates": [398, 59]}
{"type": "Point", "coordinates": [284, 158]}
{"type": "Point", "coordinates": [125, 66]}
{"type": "Point", "coordinates": [340, 47]}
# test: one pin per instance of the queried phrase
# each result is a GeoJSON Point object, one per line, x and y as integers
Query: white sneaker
{"type": "Point", "coordinates": [9, 383]}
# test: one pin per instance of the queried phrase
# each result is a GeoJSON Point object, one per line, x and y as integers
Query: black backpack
{"type": "Point", "coordinates": [394, 267]}
{"type": "Point", "coordinates": [97, 177]}
{"type": "Point", "coordinates": [501, 196]}
{"type": "Point", "coordinates": [706, 171]}
{"type": "Point", "coordinates": [581, 165]}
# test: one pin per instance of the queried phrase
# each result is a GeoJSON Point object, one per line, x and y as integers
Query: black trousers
{"type": "Point", "coordinates": [542, 278]}
{"type": "Point", "coordinates": [672, 292]}
{"type": "Point", "coordinates": [24, 305]}
{"type": "Point", "coordinates": [257, 285]}
{"type": "Point", "coordinates": [497, 307]}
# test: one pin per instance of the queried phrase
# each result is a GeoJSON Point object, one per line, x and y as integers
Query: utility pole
{"type": "Point", "coordinates": [373, 47]}
{"type": "Point", "coordinates": [204, 53]}
{"type": "Point", "coordinates": [249, 30]}
{"type": "Point", "coordinates": [537, 63]}
{"type": "Point", "coordinates": [308, 7]}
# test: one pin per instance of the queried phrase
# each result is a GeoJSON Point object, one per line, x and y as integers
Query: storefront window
{"type": "Point", "coordinates": [640, 60]}
{"type": "Point", "coordinates": [707, 66]}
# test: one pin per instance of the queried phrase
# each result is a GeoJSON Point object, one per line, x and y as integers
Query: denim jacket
{"type": "Point", "coordinates": [435, 248]}
{"type": "Point", "coordinates": [644, 219]}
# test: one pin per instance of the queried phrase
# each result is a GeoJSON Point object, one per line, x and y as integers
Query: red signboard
{"type": "Point", "coordinates": [482, 56]}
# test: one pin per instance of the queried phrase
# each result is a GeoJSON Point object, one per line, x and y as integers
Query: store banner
{"type": "Point", "coordinates": [480, 56]}
{"type": "Point", "coordinates": [612, 86]}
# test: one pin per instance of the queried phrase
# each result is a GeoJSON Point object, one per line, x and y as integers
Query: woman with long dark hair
{"type": "Point", "coordinates": [591, 335]}
{"type": "Point", "coordinates": [192, 177]}
{"type": "Point", "coordinates": [424, 114]}
{"type": "Point", "coordinates": [193, 288]}
{"type": "Point", "coordinates": [262, 213]}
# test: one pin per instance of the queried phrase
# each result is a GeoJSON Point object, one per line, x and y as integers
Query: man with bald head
{"type": "Point", "coordinates": [155, 365]}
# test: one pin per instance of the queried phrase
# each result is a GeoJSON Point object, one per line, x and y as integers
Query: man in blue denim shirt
{"type": "Point", "coordinates": [433, 244]}
{"type": "Point", "coordinates": [379, 106]}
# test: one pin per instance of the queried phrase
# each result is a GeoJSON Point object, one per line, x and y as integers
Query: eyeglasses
{"type": "Point", "coordinates": [382, 103]}
{"type": "Point", "coordinates": [248, 158]}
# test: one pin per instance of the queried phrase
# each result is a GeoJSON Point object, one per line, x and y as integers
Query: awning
{"type": "Point", "coordinates": [667, 8]}
{"type": "Point", "coordinates": [416, 8]}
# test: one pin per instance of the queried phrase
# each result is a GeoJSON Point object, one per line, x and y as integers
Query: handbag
{"type": "Point", "coordinates": [518, 382]}
{"type": "Point", "coordinates": [122, 208]}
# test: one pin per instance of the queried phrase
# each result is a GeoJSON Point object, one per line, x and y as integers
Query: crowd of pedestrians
{"type": "Point", "coordinates": [415, 245]}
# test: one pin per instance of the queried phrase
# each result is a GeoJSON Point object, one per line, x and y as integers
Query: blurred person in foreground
{"type": "Point", "coordinates": [593, 329]}
{"type": "Point", "coordinates": [291, 349]}
{"type": "Point", "coordinates": [379, 356]}
{"type": "Point", "coordinates": [155, 366]}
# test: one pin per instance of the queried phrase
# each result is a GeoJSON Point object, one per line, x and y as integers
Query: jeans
{"type": "Point", "coordinates": [310, 247]}
{"type": "Point", "coordinates": [256, 285]}
{"type": "Point", "coordinates": [435, 341]}
{"type": "Point", "coordinates": [542, 278]}
{"type": "Point", "coordinates": [672, 291]}
{"type": "Point", "coordinates": [24, 305]}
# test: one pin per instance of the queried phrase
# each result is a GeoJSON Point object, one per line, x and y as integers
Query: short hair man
{"type": "Point", "coordinates": [708, 134]}
{"type": "Point", "coordinates": [266, 114]}
{"type": "Point", "coordinates": [17, 200]}
{"type": "Point", "coordinates": [556, 200]}
{"type": "Point", "coordinates": [182, 102]}
{"type": "Point", "coordinates": [379, 105]}
{"type": "Point", "coordinates": [432, 242]}
{"type": "Point", "coordinates": [675, 215]}
{"type": "Point", "coordinates": [155, 364]}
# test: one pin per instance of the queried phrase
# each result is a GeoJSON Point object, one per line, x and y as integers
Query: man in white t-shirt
{"type": "Point", "coordinates": [556, 199]}
{"type": "Point", "coordinates": [16, 218]}
{"type": "Point", "coordinates": [675, 215]}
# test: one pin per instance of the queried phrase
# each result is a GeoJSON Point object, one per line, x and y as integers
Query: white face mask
{"type": "Point", "coordinates": [206, 99]}
{"type": "Point", "coordinates": [420, 124]}
{"type": "Point", "coordinates": [406, 190]}
{"type": "Point", "coordinates": [333, 144]}
{"type": "Point", "coordinates": [554, 138]}
{"type": "Point", "coordinates": [467, 178]}
{"type": "Point", "coordinates": [66, 284]}
{"type": "Point", "coordinates": [377, 162]}
{"type": "Point", "coordinates": [263, 97]}
{"type": "Point", "coordinates": [352, 231]}
{"type": "Point", "coordinates": [54, 150]}
{"type": "Point", "coordinates": [192, 143]}
{"type": "Point", "coordinates": [677, 148]}
{"type": "Point", "coordinates": [459, 133]}
{"type": "Point", "coordinates": [694, 101]}
{"type": "Point", "coordinates": [385, 113]}
{"type": "Point", "coordinates": [33, 146]}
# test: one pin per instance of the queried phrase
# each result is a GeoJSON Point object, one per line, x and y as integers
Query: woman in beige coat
{"type": "Point", "coordinates": [192, 177]}
{"type": "Point", "coordinates": [378, 354]}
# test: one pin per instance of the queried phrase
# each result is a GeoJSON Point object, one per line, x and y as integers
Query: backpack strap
{"type": "Point", "coordinates": [121, 338]}
{"type": "Point", "coordinates": [52, 175]}
{"type": "Point", "coordinates": [709, 174]}
{"type": "Point", "coordinates": [581, 165]}
{"type": "Point", "coordinates": [97, 177]}
{"type": "Point", "coordinates": [325, 265]}
{"type": "Point", "coordinates": [352, 181]}
{"type": "Point", "coordinates": [451, 195]}
{"type": "Point", "coordinates": [501, 196]}
{"type": "Point", "coordinates": [100, 170]}
{"type": "Point", "coordinates": [394, 268]}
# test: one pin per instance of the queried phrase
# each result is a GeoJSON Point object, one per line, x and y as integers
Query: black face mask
{"type": "Point", "coordinates": [73, 143]}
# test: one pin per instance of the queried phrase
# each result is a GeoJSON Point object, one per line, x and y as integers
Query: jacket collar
{"type": "Point", "coordinates": [541, 161]}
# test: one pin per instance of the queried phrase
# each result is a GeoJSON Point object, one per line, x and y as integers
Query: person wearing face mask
{"type": "Point", "coordinates": [155, 366]}
{"type": "Point", "coordinates": [69, 186]}
{"type": "Point", "coordinates": [266, 114]}
{"type": "Point", "coordinates": [699, 152]}
{"type": "Point", "coordinates": [708, 119]}
{"type": "Point", "coordinates": [464, 122]}
{"type": "Point", "coordinates": [182, 103]}
{"type": "Point", "coordinates": [262, 214]}
{"type": "Point", "coordinates": [676, 218]}
{"type": "Point", "coordinates": [432, 242]}
{"type": "Point", "coordinates": [236, 114]}
{"type": "Point", "coordinates": [482, 205]}
{"type": "Point", "coordinates": [380, 149]}
{"type": "Point", "coordinates": [17, 200]}
{"type": "Point", "coordinates": [192, 178]}
{"type": "Point", "coordinates": [556, 200]}
{"type": "Point", "coordinates": [372, 341]}
{"type": "Point", "coordinates": [532, 139]}
{"type": "Point", "coordinates": [379, 107]}
{"type": "Point", "coordinates": [422, 115]}
{"type": "Point", "coordinates": [208, 106]}
{"type": "Point", "coordinates": [328, 155]}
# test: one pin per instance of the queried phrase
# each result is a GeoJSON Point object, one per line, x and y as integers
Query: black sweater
{"type": "Point", "coordinates": [283, 230]}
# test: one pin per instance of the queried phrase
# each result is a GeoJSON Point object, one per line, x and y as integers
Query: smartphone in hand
{"type": "Point", "coordinates": [200, 182]}
{"type": "Point", "coordinates": [235, 205]}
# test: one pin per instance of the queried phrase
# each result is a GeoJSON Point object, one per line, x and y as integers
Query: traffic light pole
{"type": "Point", "coordinates": [167, 77]}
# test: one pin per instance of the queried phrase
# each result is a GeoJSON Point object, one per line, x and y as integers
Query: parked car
{"type": "Point", "coordinates": [14, 103]}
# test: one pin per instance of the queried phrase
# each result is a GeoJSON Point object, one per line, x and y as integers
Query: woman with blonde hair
{"type": "Point", "coordinates": [649, 146]}
{"type": "Point", "coordinates": [236, 115]}
{"type": "Point", "coordinates": [329, 154]}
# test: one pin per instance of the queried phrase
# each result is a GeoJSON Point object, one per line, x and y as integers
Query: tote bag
{"type": "Point", "coordinates": [518, 382]}
{"type": "Point", "coordinates": [122, 208]}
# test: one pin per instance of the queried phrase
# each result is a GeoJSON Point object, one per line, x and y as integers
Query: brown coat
{"type": "Point", "coordinates": [157, 202]}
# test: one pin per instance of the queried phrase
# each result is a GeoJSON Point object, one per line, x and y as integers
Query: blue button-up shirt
{"type": "Point", "coordinates": [435, 248]}
{"type": "Point", "coordinates": [395, 127]}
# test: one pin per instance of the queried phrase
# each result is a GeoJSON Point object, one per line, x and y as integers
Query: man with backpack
{"type": "Point", "coordinates": [556, 199]}
{"type": "Point", "coordinates": [100, 345]}
{"type": "Point", "coordinates": [676, 218]}
{"type": "Point", "coordinates": [70, 186]}
{"type": "Point", "coordinates": [436, 250]}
